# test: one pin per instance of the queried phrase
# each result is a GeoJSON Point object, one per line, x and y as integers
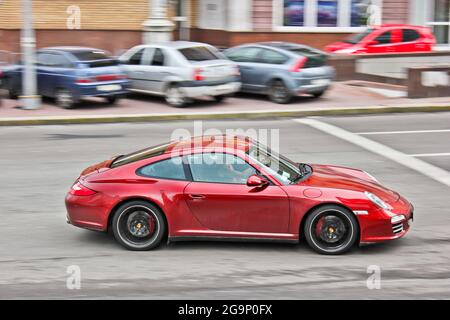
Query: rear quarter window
{"type": "Point", "coordinates": [171, 169]}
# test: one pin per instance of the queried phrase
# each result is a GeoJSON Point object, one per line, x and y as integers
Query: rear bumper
{"type": "Point", "coordinates": [212, 90]}
{"type": "Point", "coordinates": [307, 86]}
{"type": "Point", "coordinates": [89, 212]}
{"type": "Point", "coordinates": [102, 89]}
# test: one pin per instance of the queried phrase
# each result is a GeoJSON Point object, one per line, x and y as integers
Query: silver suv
{"type": "Point", "coordinates": [180, 71]}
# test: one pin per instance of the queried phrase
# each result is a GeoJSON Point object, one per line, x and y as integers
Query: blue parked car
{"type": "Point", "coordinates": [69, 74]}
{"type": "Point", "coordinates": [282, 70]}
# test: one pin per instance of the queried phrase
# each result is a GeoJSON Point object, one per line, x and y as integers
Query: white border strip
{"type": "Point", "coordinates": [429, 170]}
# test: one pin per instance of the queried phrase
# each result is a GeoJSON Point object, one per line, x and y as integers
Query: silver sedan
{"type": "Point", "coordinates": [180, 71]}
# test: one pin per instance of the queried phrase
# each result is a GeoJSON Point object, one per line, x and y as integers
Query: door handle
{"type": "Point", "coordinates": [196, 196]}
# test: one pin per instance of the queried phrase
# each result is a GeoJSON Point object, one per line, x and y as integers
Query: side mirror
{"type": "Point", "coordinates": [372, 43]}
{"type": "Point", "coordinates": [256, 181]}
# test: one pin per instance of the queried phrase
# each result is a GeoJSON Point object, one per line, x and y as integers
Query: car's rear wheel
{"type": "Point", "coordinates": [112, 99]}
{"type": "Point", "coordinates": [64, 98]}
{"type": "Point", "coordinates": [220, 98]}
{"type": "Point", "coordinates": [139, 226]}
{"type": "Point", "coordinates": [175, 96]}
{"type": "Point", "coordinates": [279, 93]}
{"type": "Point", "coordinates": [331, 230]}
{"type": "Point", "coordinates": [318, 94]}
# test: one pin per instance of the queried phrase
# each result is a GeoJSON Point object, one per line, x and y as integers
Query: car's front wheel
{"type": "Point", "coordinates": [331, 230]}
{"type": "Point", "coordinates": [112, 99]}
{"type": "Point", "coordinates": [138, 226]}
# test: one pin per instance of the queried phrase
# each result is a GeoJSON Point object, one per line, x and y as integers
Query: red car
{"type": "Point", "coordinates": [387, 38]}
{"type": "Point", "coordinates": [227, 187]}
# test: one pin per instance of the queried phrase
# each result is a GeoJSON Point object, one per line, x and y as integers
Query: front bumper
{"type": "Point", "coordinates": [211, 90]}
{"type": "Point", "coordinates": [377, 226]}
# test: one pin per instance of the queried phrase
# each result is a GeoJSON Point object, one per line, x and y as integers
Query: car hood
{"type": "Point", "coordinates": [338, 46]}
{"type": "Point", "coordinates": [350, 179]}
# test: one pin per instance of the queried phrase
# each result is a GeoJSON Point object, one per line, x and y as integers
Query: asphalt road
{"type": "Point", "coordinates": [37, 246]}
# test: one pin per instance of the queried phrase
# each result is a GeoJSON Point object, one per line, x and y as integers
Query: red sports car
{"type": "Point", "coordinates": [388, 38]}
{"type": "Point", "coordinates": [233, 188]}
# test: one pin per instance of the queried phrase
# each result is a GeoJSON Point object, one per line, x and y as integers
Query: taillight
{"type": "Point", "coordinates": [80, 190]}
{"type": "Point", "coordinates": [198, 74]}
{"type": "Point", "coordinates": [299, 64]}
{"type": "Point", "coordinates": [84, 80]}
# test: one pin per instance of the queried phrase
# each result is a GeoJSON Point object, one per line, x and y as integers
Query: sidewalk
{"type": "Point", "coordinates": [342, 98]}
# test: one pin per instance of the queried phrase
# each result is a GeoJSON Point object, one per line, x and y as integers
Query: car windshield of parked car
{"type": "Point", "coordinates": [283, 169]}
{"type": "Point", "coordinates": [357, 38]}
{"type": "Point", "coordinates": [199, 54]}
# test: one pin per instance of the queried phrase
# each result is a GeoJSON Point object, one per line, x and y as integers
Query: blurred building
{"type": "Point", "coordinates": [116, 24]}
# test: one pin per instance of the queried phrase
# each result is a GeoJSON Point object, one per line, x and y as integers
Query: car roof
{"type": "Point", "coordinates": [176, 44]}
{"type": "Point", "coordinates": [71, 49]}
{"type": "Point", "coordinates": [211, 142]}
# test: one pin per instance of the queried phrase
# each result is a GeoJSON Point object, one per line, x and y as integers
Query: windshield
{"type": "Point", "coordinates": [357, 38]}
{"type": "Point", "coordinates": [283, 169]}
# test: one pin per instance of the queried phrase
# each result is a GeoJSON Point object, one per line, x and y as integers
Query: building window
{"type": "Point", "coordinates": [322, 15]}
{"type": "Point", "coordinates": [359, 13]}
{"type": "Point", "coordinates": [327, 13]}
{"type": "Point", "coordinates": [294, 13]}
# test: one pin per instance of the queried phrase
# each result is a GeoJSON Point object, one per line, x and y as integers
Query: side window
{"type": "Point", "coordinates": [43, 59]}
{"type": "Point", "coordinates": [136, 58]}
{"type": "Point", "coordinates": [410, 35]}
{"type": "Point", "coordinates": [249, 54]}
{"type": "Point", "coordinates": [59, 61]}
{"type": "Point", "coordinates": [273, 57]}
{"type": "Point", "coordinates": [158, 58]}
{"type": "Point", "coordinates": [384, 38]}
{"type": "Point", "coordinates": [219, 168]}
{"type": "Point", "coordinates": [166, 169]}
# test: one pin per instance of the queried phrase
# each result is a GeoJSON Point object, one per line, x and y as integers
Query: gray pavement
{"type": "Point", "coordinates": [39, 164]}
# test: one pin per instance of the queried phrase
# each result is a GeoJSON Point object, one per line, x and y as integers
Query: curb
{"type": "Point", "coordinates": [91, 119]}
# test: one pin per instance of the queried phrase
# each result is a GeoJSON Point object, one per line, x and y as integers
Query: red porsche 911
{"type": "Point", "coordinates": [233, 188]}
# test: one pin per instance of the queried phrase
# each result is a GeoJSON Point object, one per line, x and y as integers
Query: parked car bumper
{"type": "Point", "coordinates": [102, 89]}
{"type": "Point", "coordinates": [313, 86]}
{"type": "Point", "coordinates": [194, 89]}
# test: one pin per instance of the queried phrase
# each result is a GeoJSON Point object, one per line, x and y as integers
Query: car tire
{"type": "Point", "coordinates": [112, 99]}
{"type": "Point", "coordinates": [279, 93]}
{"type": "Point", "coordinates": [331, 230]}
{"type": "Point", "coordinates": [64, 98]}
{"type": "Point", "coordinates": [220, 98]}
{"type": "Point", "coordinates": [138, 225]}
{"type": "Point", "coordinates": [318, 94]}
{"type": "Point", "coordinates": [175, 97]}
{"type": "Point", "coordinates": [12, 93]}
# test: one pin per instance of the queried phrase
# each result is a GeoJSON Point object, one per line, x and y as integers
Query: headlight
{"type": "Point", "coordinates": [397, 219]}
{"type": "Point", "coordinates": [377, 200]}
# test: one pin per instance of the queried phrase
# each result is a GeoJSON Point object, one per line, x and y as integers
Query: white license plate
{"type": "Point", "coordinates": [109, 87]}
{"type": "Point", "coordinates": [320, 82]}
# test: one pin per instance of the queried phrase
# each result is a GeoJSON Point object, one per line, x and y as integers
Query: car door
{"type": "Point", "coordinates": [220, 199]}
{"type": "Point", "coordinates": [382, 43]}
{"type": "Point", "coordinates": [411, 41]}
{"type": "Point", "coordinates": [135, 67]}
{"type": "Point", "coordinates": [250, 67]}
{"type": "Point", "coordinates": [157, 70]}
